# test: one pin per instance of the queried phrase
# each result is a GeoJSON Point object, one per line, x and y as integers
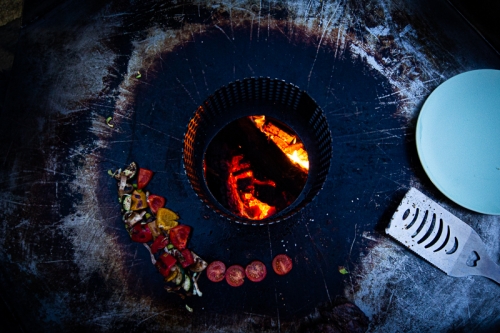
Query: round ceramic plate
{"type": "Point", "coordinates": [458, 139]}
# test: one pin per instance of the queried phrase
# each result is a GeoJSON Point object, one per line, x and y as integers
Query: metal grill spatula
{"type": "Point", "coordinates": [441, 238]}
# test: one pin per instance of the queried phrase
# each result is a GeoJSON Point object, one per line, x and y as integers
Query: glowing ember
{"type": "Point", "coordinates": [285, 141]}
{"type": "Point", "coordinates": [241, 191]}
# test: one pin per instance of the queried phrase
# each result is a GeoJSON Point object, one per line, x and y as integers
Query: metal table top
{"type": "Point", "coordinates": [67, 261]}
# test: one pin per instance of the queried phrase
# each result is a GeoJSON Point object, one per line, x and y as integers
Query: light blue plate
{"type": "Point", "coordinates": [458, 139]}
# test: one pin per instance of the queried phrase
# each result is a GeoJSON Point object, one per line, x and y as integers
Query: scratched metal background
{"type": "Point", "coordinates": [67, 263]}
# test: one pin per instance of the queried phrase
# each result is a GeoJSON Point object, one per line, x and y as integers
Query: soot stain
{"type": "Point", "coordinates": [369, 162]}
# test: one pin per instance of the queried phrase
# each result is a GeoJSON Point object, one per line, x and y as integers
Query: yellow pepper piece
{"type": "Point", "coordinates": [166, 219]}
{"type": "Point", "coordinates": [171, 276]}
{"type": "Point", "coordinates": [138, 200]}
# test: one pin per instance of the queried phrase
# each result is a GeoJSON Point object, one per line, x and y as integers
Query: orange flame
{"type": "Point", "coordinates": [243, 199]}
{"type": "Point", "coordinates": [284, 141]}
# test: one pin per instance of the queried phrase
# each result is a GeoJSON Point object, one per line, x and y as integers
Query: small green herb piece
{"type": "Point", "coordinates": [134, 185]}
{"type": "Point", "coordinates": [139, 75]}
{"type": "Point", "coordinates": [170, 246]}
{"type": "Point", "coordinates": [109, 122]}
{"type": "Point", "coordinates": [111, 173]}
{"type": "Point", "coordinates": [190, 309]}
{"type": "Point", "coordinates": [342, 270]}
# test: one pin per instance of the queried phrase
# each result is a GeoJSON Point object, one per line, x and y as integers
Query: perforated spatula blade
{"type": "Point", "coordinates": [441, 238]}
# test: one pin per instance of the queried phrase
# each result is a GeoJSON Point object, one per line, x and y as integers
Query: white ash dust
{"type": "Point", "coordinates": [405, 50]}
{"type": "Point", "coordinates": [145, 54]}
{"type": "Point", "coordinates": [400, 292]}
{"type": "Point", "coordinates": [75, 73]}
{"type": "Point", "coordinates": [335, 17]}
{"type": "Point", "coordinates": [29, 264]}
{"type": "Point", "coordinates": [85, 228]}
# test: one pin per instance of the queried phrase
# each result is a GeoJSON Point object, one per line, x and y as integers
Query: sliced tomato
{"type": "Point", "coordinates": [143, 177]}
{"type": "Point", "coordinates": [159, 243]}
{"type": "Point", "coordinates": [179, 236]}
{"type": "Point", "coordinates": [216, 271]}
{"type": "Point", "coordinates": [164, 263]}
{"type": "Point", "coordinates": [235, 275]}
{"type": "Point", "coordinates": [282, 264]}
{"type": "Point", "coordinates": [155, 202]}
{"type": "Point", "coordinates": [256, 271]}
{"type": "Point", "coordinates": [141, 233]}
{"type": "Point", "coordinates": [187, 258]}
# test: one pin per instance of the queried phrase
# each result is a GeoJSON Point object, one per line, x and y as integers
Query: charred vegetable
{"type": "Point", "coordinates": [157, 228]}
{"type": "Point", "coordinates": [165, 263]}
{"type": "Point", "coordinates": [179, 236]}
{"type": "Point", "coordinates": [155, 202]}
{"type": "Point", "coordinates": [141, 233]}
{"type": "Point", "coordinates": [144, 178]}
{"type": "Point", "coordinates": [132, 218]}
{"type": "Point", "coordinates": [159, 243]}
{"type": "Point", "coordinates": [199, 264]}
{"type": "Point", "coordinates": [166, 219]}
{"type": "Point", "coordinates": [138, 200]}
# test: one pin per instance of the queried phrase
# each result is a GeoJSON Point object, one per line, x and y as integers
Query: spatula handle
{"type": "Point", "coordinates": [491, 270]}
{"type": "Point", "coordinates": [485, 265]}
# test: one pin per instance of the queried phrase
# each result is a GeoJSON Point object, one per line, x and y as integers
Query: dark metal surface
{"type": "Point", "coordinates": [67, 262]}
{"type": "Point", "coordinates": [482, 16]}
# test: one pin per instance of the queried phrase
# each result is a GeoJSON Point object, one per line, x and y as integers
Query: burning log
{"type": "Point", "coordinates": [287, 142]}
{"type": "Point", "coordinates": [242, 193]}
{"type": "Point", "coordinates": [249, 174]}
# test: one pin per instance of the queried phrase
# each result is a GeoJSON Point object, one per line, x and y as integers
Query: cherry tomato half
{"type": "Point", "coordinates": [216, 271]}
{"type": "Point", "coordinates": [256, 271]}
{"type": "Point", "coordinates": [235, 275]}
{"type": "Point", "coordinates": [143, 177]}
{"type": "Point", "coordinates": [282, 264]}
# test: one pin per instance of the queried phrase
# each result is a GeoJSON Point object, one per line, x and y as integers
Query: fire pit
{"type": "Point", "coordinates": [257, 150]}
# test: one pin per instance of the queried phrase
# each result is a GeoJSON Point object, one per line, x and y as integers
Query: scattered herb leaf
{"type": "Point", "coordinates": [342, 270]}
{"type": "Point", "coordinates": [109, 122]}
